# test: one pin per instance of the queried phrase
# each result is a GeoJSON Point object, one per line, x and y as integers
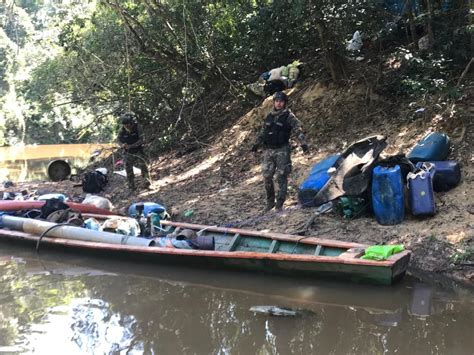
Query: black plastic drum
{"type": "Point", "coordinates": [58, 170]}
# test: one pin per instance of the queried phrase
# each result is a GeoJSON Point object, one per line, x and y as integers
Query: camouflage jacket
{"type": "Point", "coordinates": [296, 130]}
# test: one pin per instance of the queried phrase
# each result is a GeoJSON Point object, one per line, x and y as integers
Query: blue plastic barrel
{"type": "Point", "coordinates": [148, 207]}
{"type": "Point", "coordinates": [434, 146]}
{"type": "Point", "coordinates": [388, 200]}
{"type": "Point", "coordinates": [317, 178]}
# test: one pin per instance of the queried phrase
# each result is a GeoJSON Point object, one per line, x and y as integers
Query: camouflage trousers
{"type": "Point", "coordinates": [139, 160]}
{"type": "Point", "coordinates": [276, 161]}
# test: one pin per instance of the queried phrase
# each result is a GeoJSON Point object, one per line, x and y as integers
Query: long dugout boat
{"type": "Point", "coordinates": [273, 253]}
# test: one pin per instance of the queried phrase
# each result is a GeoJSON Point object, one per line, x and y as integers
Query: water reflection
{"type": "Point", "coordinates": [28, 163]}
{"type": "Point", "coordinates": [90, 306]}
{"type": "Point", "coordinates": [421, 300]}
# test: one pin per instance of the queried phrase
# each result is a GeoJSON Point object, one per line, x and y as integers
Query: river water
{"type": "Point", "coordinates": [73, 304]}
{"type": "Point", "coordinates": [28, 163]}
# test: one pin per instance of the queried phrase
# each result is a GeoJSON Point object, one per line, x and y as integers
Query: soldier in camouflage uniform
{"type": "Point", "coordinates": [280, 125]}
{"type": "Point", "coordinates": [130, 138]}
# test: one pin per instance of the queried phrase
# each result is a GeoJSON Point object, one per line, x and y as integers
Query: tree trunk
{"type": "Point", "coordinates": [411, 22]}
{"type": "Point", "coordinates": [335, 62]}
{"type": "Point", "coordinates": [429, 26]}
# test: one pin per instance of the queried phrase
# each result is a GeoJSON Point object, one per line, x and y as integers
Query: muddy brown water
{"type": "Point", "coordinates": [75, 304]}
{"type": "Point", "coordinates": [28, 163]}
{"type": "Point", "coordinates": [70, 304]}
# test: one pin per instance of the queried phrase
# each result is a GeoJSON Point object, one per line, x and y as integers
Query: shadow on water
{"type": "Point", "coordinates": [100, 306]}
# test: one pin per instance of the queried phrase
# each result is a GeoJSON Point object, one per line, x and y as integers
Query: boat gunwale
{"type": "Point", "coordinates": [251, 233]}
{"type": "Point", "coordinates": [22, 236]}
{"type": "Point", "coordinates": [269, 235]}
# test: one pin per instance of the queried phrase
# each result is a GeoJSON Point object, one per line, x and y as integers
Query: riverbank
{"type": "Point", "coordinates": [220, 183]}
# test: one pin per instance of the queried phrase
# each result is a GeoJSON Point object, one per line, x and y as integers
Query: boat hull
{"type": "Point", "coordinates": [332, 267]}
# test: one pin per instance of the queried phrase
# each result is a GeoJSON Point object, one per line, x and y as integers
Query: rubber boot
{"type": "Point", "coordinates": [269, 206]}
{"type": "Point", "coordinates": [282, 181]}
{"type": "Point", "coordinates": [270, 191]}
{"type": "Point", "coordinates": [279, 205]}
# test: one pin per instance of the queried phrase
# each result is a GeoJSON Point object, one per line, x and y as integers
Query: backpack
{"type": "Point", "coordinates": [68, 216]}
{"type": "Point", "coordinates": [94, 182]}
{"type": "Point", "coordinates": [273, 86]}
{"type": "Point", "coordinates": [52, 205]}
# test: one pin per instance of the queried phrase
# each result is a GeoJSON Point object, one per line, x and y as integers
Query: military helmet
{"type": "Point", "coordinates": [280, 95]}
{"type": "Point", "coordinates": [128, 118]}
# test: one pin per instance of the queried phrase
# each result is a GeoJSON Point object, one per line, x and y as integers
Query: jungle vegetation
{"type": "Point", "coordinates": [69, 67]}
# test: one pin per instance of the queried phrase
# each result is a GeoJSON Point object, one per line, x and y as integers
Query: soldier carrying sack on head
{"type": "Point", "coordinates": [130, 138]}
{"type": "Point", "coordinates": [279, 126]}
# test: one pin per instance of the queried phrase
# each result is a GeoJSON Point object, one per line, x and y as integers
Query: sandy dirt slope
{"type": "Point", "coordinates": [221, 184]}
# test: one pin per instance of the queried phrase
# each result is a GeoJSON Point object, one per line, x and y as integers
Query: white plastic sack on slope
{"type": "Point", "coordinates": [98, 201]}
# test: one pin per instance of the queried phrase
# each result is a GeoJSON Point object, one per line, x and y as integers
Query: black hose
{"type": "Point", "coordinates": [48, 230]}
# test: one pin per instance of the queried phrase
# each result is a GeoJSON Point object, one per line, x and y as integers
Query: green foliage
{"type": "Point", "coordinates": [343, 18]}
{"type": "Point", "coordinates": [420, 75]}
{"type": "Point", "coordinates": [463, 255]}
{"type": "Point", "coordinates": [68, 68]}
{"type": "Point", "coordinates": [431, 71]}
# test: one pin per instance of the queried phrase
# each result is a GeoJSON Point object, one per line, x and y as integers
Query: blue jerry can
{"type": "Point", "coordinates": [434, 146]}
{"type": "Point", "coordinates": [148, 207]}
{"type": "Point", "coordinates": [388, 201]}
{"type": "Point", "coordinates": [421, 195]}
{"type": "Point", "coordinates": [317, 178]}
{"type": "Point", "coordinates": [447, 176]}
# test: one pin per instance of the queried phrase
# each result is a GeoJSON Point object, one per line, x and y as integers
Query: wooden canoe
{"type": "Point", "coordinates": [273, 253]}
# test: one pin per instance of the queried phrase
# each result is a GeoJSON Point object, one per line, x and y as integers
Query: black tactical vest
{"type": "Point", "coordinates": [130, 138]}
{"type": "Point", "coordinates": [277, 131]}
